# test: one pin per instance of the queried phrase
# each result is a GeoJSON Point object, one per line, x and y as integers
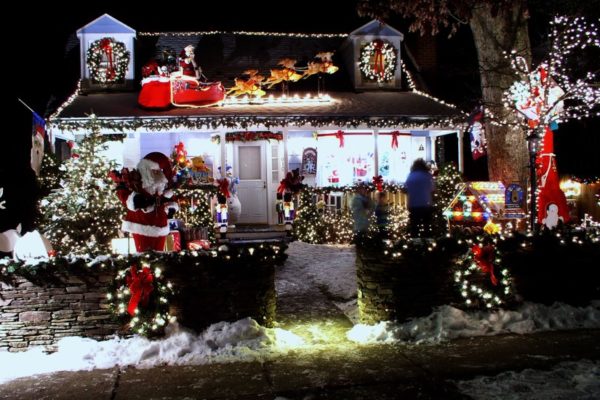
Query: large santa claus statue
{"type": "Point", "coordinates": [151, 204]}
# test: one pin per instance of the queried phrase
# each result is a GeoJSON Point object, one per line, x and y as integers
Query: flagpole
{"type": "Point", "coordinates": [26, 106]}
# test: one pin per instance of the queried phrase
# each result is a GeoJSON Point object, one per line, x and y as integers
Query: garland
{"type": "Point", "coordinates": [117, 56]}
{"type": "Point", "coordinates": [140, 297]}
{"type": "Point", "coordinates": [252, 136]}
{"type": "Point", "coordinates": [231, 122]}
{"type": "Point", "coordinates": [378, 61]}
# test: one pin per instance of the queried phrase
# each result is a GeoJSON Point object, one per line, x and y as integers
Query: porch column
{"type": "Point", "coordinates": [285, 151]}
{"type": "Point", "coordinates": [461, 154]}
{"type": "Point", "coordinates": [376, 150]}
{"type": "Point", "coordinates": [223, 154]}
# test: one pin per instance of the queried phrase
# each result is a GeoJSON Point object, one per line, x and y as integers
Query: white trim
{"type": "Point", "coordinates": [129, 203]}
{"type": "Point", "coordinates": [145, 230]}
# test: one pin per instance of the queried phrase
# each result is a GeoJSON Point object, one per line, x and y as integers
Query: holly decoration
{"type": "Point", "coordinates": [140, 297]}
{"type": "Point", "coordinates": [251, 136]}
{"type": "Point", "coordinates": [108, 60]}
{"type": "Point", "coordinates": [378, 61]}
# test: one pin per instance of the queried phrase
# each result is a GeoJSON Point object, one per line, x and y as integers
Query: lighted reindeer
{"type": "Point", "coordinates": [285, 74]}
{"type": "Point", "coordinates": [250, 86]}
{"type": "Point", "coordinates": [325, 65]}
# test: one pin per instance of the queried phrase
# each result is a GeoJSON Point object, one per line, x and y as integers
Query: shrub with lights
{"type": "Point", "coordinates": [83, 214]}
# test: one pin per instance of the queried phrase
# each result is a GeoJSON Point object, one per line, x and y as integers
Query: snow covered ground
{"type": "Point", "coordinates": [568, 380]}
{"type": "Point", "coordinates": [331, 269]}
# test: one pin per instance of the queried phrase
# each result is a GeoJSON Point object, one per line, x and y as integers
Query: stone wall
{"type": "Point", "coordinates": [31, 314]}
{"type": "Point", "coordinates": [46, 307]}
{"type": "Point", "coordinates": [401, 288]}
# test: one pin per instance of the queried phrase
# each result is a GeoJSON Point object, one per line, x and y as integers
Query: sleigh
{"type": "Point", "coordinates": [179, 91]}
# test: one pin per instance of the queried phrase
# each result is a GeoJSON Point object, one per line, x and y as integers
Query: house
{"type": "Point", "coordinates": [367, 119]}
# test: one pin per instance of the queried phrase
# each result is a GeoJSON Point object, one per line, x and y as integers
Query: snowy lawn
{"type": "Point", "coordinates": [568, 380]}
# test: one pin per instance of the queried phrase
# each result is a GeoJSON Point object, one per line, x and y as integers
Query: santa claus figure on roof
{"type": "Point", "coordinates": [149, 201]}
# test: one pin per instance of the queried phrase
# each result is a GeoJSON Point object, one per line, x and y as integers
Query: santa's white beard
{"type": "Point", "coordinates": [154, 184]}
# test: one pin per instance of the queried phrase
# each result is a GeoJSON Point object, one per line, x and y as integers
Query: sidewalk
{"type": "Point", "coordinates": [351, 372]}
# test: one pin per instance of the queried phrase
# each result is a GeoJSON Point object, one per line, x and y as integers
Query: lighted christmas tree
{"type": "Point", "coordinates": [50, 174]}
{"type": "Point", "coordinates": [308, 226]}
{"type": "Point", "coordinates": [83, 215]}
{"type": "Point", "coordinates": [445, 189]}
{"type": "Point", "coordinates": [194, 209]}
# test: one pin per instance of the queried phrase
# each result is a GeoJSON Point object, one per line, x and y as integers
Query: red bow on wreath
{"type": "Point", "coordinates": [395, 135]}
{"type": "Point", "coordinates": [484, 258]}
{"type": "Point", "coordinates": [339, 135]}
{"type": "Point", "coordinates": [378, 182]}
{"type": "Point", "coordinates": [140, 286]}
{"type": "Point", "coordinates": [378, 65]}
{"type": "Point", "coordinates": [106, 46]}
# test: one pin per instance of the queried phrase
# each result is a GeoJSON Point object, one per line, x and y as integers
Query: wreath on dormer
{"type": "Point", "coordinates": [108, 61]}
{"type": "Point", "coordinates": [378, 61]}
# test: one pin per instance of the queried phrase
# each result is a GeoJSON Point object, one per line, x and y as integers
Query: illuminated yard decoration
{"type": "Point", "coordinates": [548, 94]}
{"type": "Point", "coordinates": [476, 203]}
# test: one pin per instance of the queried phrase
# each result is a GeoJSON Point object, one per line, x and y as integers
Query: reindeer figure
{"type": "Point", "coordinates": [285, 74]}
{"type": "Point", "coordinates": [325, 65]}
{"type": "Point", "coordinates": [250, 86]}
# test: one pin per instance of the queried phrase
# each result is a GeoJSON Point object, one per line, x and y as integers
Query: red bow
{"type": "Point", "coordinates": [378, 182]}
{"type": "Point", "coordinates": [484, 258]}
{"type": "Point", "coordinates": [140, 286]}
{"type": "Point", "coordinates": [395, 135]}
{"type": "Point", "coordinates": [339, 135]}
{"type": "Point", "coordinates": [107, 48]}
{"type": "Point", "coordinates": [378, 66]}
{"type": "Point", "coordinates": [224, 186]}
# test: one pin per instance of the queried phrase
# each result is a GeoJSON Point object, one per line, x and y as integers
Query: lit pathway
{"type": "Point", "coordinates": [313, 278]}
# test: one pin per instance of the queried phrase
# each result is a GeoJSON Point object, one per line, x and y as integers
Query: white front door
{"type": "Point", "coordinates": [249, 165]}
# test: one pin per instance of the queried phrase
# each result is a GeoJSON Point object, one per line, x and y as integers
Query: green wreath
{"type": "Point", "coordinates": [107, 50]}
{"type": "Point", "coordinates": [482, 283]}
{"type": "Point", "coordinates": [140, 298]}
{"type": "Point", "coordinates": [375, 53]}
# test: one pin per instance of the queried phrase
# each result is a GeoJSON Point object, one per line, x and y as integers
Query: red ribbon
{"type": "Point", "coordinates": [484, 258]}
{"type": "Point", "coordinates": [395, 135]}
{"type": "Point", "coordinates": [140, 286]}
{"type": "Point", "coordinates": [339, 135]}
{"type": "Point", "coordinates": [224, 186]}
{"type": "Point", "coordinates": [378, 65]}
{"type": "Point", "coordinates": [378, 182]}
{"type": "Point", "coordinates": [106, 46]}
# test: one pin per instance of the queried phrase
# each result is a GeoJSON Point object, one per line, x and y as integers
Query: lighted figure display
{"type": "Point", "coordinates": [183, 88]}
{"type": "Point", "coordinates": [551, 217]}
{"type": "Point", "coordinates": [289, 213]}
{"type": "Point", "coordinates": [148, 199]}
{"type": "Point", "coordinates": [476, 203]}
{"type": "Point", "coordinates": [222, 213]}
{"type": "Point", "coordinates": [233, 202]}
{"type": "Point", "coordinates": [548, 181]}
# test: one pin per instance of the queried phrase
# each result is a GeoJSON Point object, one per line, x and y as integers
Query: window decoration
{"type": "Point", "coordinates": [108, 61]}
{"type": "Point", "coordinates": [378, 61]}
{"type": "Point", "coordinates": [309, 161]}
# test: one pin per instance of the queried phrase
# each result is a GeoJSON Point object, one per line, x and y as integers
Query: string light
{"type": "Point", "coordinates": [245, 33]}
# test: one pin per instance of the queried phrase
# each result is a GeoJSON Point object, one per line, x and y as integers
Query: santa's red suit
{"type": "Point", "coordinates": [548, 183]}
{"type": "Point", "coordinates": [147, 211]}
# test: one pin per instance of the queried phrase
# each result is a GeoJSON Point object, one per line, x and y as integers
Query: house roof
{"type": "Point", "coordinates": [377, 28]}
{"type": "Point", "coordinates": [106, 24]}
{"type": "Point", "coordinates": [345, 107]}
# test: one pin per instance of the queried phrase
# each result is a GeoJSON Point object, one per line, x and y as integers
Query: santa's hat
{"type": "Point", "coordinates": [157, 160]}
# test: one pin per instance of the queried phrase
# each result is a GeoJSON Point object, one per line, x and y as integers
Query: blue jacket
{"type": "Point", "coordinates": [419, 185]}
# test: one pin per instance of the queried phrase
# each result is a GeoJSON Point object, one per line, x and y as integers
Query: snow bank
{"type": "Point", "coordinates": [568, 380]}
{"type": "Point", "coordinates": [223, 342]}
{"type": "Point", "coordinates": [448, 322]}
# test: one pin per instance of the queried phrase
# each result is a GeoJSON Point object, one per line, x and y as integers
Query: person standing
{"type": "Point", "coordinates": [361, 212]}
{"type": "Point", "coordinates": [420, 186]}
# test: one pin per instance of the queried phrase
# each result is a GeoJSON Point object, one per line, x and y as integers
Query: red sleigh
{"type": "Point", "coordinates": [179, 91]}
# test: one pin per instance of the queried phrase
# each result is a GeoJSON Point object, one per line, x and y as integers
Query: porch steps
{"type": "Point", "coordinates": [254, 234]}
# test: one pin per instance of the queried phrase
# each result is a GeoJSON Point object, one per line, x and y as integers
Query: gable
{"type": "Point", "coordinates": [106, 24]}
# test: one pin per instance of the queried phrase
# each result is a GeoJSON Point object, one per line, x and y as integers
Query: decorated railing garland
{"type": "Point", "coordinates": [378, 61]}
{"type": "Point", "coordinates": [117, 57]}
{"type": "Point", "coordinates": [252, 136]}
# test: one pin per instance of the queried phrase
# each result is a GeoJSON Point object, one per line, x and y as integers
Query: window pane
{"type": "Point", "coordinates": [249, 159]}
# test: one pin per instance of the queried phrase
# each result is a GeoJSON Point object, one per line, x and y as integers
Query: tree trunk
{"type": "Point", "coordinates": [493, 35]}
